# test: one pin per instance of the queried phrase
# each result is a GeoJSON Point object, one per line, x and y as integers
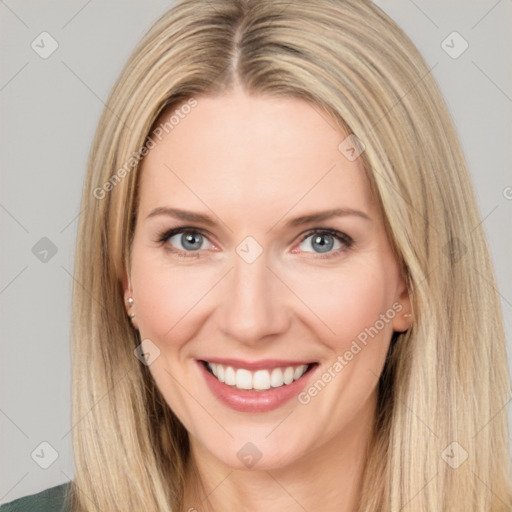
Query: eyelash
{"type": "Point", "coordinates": [343, 238]}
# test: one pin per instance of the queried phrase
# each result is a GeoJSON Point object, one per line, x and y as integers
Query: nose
{"type": "Point", "coordinates": [253, 303]}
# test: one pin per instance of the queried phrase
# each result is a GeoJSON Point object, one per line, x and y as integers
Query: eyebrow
{"type": "Point", "coordinates": [327, 214]}
{"type": "Point", "coordinates": [297, 221]}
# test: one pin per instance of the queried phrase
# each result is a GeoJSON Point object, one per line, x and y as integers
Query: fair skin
{"type": "Point", "coordinates": [253, 163]}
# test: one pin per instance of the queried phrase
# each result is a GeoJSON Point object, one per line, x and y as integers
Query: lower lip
{"type": "Point", "coordinates": [253, 401]}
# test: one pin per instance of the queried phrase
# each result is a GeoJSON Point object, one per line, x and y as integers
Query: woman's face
{"type": "Point", "coordinates": [259, 277]}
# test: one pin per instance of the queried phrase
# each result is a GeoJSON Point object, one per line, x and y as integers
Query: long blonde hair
{"type": "Point", "coordinates": [440, 441]}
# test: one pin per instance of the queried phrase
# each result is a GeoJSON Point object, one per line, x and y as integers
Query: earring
{"type": "Point", "coordinates": [130, 301]}
{"type": "Point", "coordinates": [410, 319]}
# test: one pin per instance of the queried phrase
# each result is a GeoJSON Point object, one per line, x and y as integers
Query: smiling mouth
{"type": "Point", "coordinates": [258, 380]}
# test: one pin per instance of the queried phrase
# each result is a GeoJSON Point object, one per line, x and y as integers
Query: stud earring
{"type": "Point", "coordinates": [130, 301]}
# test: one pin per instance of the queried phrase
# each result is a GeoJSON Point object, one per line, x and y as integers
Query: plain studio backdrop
{"type": "Point", "coordinates": [59, 61]}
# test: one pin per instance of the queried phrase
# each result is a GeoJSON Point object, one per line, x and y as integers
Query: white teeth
{"type": "Point", "coordinates": [288, 375]}
{"type": "Point", "coordinates": [220, 372]}
{"type": "Point", "coordinates": [276, 378]}
{"type": "Point", "coordinates": [243, 379]}
{"type": "Point", "coordinates": [259, 380]}
{"type": "Point", "coordinates": [298, 373]}
{"type": "Point", "coordinates": [229, 376]}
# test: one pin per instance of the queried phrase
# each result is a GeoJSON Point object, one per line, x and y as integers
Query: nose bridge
{"type": "Point", "coordinates": [253, 305]}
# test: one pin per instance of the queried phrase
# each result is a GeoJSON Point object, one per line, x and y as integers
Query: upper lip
{"type": "Point", "coordinates": [262, 364]}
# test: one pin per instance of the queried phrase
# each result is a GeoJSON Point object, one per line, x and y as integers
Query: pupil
{"type": "Point", "coordinates": [324, 247]}
{"type": "Point", "coordinates": [191, 241]}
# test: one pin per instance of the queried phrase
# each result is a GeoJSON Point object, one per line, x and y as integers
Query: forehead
{"type": "Point", "coordinates": [243, 151]}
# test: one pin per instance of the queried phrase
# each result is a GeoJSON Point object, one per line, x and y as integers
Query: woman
{"type": "Point", "coordinates": [280, 303]}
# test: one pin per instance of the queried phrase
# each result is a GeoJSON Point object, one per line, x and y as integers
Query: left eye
{"type": "Point", "coordinates": [325, 241]}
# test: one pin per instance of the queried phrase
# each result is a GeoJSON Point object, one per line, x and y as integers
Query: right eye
{"type": "Point", "coordinates": [184, 242]}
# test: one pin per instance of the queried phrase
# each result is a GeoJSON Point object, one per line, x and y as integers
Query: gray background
{"type": "Point", "coordinates": [49, 109]}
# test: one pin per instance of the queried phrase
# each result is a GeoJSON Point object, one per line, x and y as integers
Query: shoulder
{"type": "Point", "coordinates": [54, 499]}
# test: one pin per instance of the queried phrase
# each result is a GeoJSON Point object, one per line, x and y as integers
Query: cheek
{"type": "Point", "coordinates": [167, 297]}
{"type": "Point", "coordinates": [351, 300]}
{"type": "Point", "coordinates": [167, 301]}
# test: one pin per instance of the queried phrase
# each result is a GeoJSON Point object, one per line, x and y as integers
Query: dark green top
{"type": "Point", "coordinates": [53, 499]}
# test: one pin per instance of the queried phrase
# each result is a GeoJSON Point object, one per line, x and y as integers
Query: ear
{"type": "Point", "coordinates": [403, 319]}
